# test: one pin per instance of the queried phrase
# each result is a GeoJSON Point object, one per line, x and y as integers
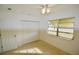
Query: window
{"type": "Point", "coordinates": [62, 27]}
{"type": "Point", "coordinates": [52, 26]}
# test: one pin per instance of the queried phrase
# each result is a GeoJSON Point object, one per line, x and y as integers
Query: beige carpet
{"type": "Point", "coordinates": [36, 48]}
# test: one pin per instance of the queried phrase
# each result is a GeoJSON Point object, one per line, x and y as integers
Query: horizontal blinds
{"type": "Point", "coordinates": [66, 23]}
{"type": "Point", "coordinates": [65, 27]}
{"type": "Point", "coordinates": [53, 23]}
{"type": "Point", "coordinates": [71, 20]}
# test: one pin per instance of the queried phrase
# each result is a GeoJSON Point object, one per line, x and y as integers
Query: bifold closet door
{"type": "Point", "coordinates": [30, 31]}
{"type": "Point", "coordinates": [8, 41]}
{"type": "Point", "coordinates": [0, 45]}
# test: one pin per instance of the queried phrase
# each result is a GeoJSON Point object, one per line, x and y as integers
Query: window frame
{"type": "Point", "coordinates": [57, 31]}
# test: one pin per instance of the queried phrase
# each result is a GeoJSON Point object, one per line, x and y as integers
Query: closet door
{"type": "Point", "coordinates": [0, 45]}
{"type": "Point", "coordinates": [30, 31]}
{"type": "Point", "coordinates": [8, 41]}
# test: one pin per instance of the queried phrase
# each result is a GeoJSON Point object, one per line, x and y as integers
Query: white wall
{"type": "Point", "coordinates": [30, 32]}
{"type": "Point", "coordinates": [17, 14]}
{"type": "Point", "coordinates": [11, 25]}
{"type": "Point", "coordinates": [62, 11]}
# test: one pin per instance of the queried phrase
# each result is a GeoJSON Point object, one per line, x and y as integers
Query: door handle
{"type": "Point", "coordinates": [14, 35]}
{"type": "Point", "coordinates": [0, 34]}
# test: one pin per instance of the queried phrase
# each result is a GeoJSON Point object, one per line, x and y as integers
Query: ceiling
{"type": "Point", "coordinates": [25, 5]}
{"type": "Point", "coordinates": [23, 8]}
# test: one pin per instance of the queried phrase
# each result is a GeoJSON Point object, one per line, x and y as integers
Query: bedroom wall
{"type": "Point", "coordinates": [12, 32]}
{"type": "Point", "coordinates": [57, 12]}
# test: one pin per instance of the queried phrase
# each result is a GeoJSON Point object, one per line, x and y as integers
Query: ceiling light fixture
{"type": "Point", "coordinates": [45, 9]}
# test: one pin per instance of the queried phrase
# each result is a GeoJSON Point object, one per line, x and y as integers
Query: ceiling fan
{"type": "Point", "coordinates": [46, 8]}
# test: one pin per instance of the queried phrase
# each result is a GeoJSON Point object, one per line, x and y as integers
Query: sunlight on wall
{"type": "Point", "coordinates": [31, 50]}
